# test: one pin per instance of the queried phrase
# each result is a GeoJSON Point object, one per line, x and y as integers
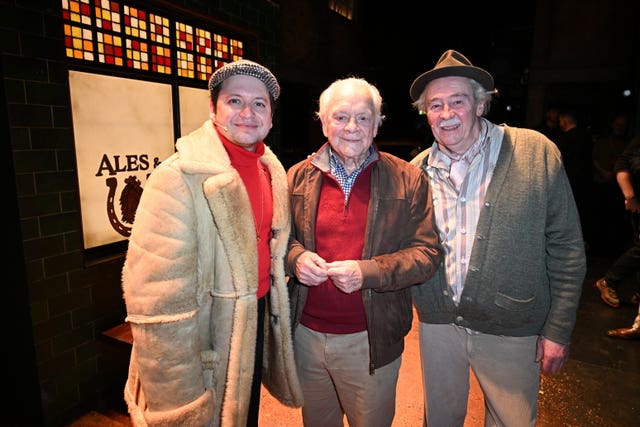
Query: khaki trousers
{"type": "Point", "coordinates": [334, 373]}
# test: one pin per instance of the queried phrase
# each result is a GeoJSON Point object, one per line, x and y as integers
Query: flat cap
{"type": "Point", "coordinates": [247, 68]}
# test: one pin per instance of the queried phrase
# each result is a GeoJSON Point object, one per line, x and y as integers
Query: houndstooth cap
{"type": "Point", "coordinates": [247, 68]}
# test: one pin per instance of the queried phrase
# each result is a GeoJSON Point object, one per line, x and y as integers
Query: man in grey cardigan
{"type": "Point", "coordinates": [504, 300]}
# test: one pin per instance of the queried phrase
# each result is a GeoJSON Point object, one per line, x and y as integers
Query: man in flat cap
{"type": "Point", "coordinates": [504, 300]}
{"type": "Point", "coordinates": [204, 281]}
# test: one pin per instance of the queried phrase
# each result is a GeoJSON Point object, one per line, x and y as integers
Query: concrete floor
{"type": "Point", "coordinates": [599, 387]}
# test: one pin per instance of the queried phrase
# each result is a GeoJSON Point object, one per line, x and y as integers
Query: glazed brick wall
{"type": "Point", "coordinates": [70, 302]}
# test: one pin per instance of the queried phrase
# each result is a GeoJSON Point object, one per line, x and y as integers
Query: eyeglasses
{"type": "Point", "coordinates": [342, 120]}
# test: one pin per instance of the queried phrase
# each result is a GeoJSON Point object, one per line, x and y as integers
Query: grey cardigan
{"type": "Point", "coordinates": [528, 261]}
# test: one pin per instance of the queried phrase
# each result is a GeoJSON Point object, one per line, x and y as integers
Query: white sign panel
{"type": "Point", "coordinates": [123, 129]}
{"type": "Point", "coordinates": [194, 108]}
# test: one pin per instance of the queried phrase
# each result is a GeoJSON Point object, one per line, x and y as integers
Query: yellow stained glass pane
{"type": "Point", "coordinates": [110, 49]}
{"type": "Point", "coordinates": [136, 55]}
{"type": "Point", "coordinates": [108, 15]}
{"type": "Point", "coordinates": [185, 66]}
{"type": "Point", "coordinates": [236, 50]}
{"type": "Point", "coordinates": [135, 22]}
{"type": "Point", "coordinates": [160, 59]}
{"type": "Point", "coordinates": [77, 41]}
{"type": "Point", "coordinates": [184, 36]}
{"type": "Point", "coordinates": [77, 11]}
{"type": "Point", "coordinates": [159, 29]}
{"type": "Point", "coordinates": [203, 42]}
{"type": "Point", "coordinates": [204, 67]}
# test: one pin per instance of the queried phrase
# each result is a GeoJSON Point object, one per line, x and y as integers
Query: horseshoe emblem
{"type": "Point", "coordinates": [129, 199]}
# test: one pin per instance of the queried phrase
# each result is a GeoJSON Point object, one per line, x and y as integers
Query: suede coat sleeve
{"type": "Point", "coordinates": [190, 281]}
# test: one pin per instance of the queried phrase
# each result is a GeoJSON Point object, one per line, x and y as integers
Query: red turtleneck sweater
{"type": "Point", "coordinates": [257, 181]}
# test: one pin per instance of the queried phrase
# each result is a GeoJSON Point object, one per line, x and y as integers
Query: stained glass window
{"type": "Point", "coordinates": [110, 49]}
{"type": "Point", "coordinates": [135, 22]}
{"type": "Point", "coordinates": [124, 35]}
{"type": "Point", "coordinates": [203, 53]}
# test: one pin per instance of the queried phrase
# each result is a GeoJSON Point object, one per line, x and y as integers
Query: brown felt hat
{"type": "Point", "coordinates": [451, 63]}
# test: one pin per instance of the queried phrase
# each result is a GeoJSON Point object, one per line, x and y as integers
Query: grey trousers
{"type": "Point", "coordinates": [505, 368]}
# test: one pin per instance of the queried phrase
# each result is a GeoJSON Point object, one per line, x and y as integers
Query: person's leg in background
{"type": "Point", "coordinates": [626, 266]}
{"type": "Point", "coordinates": [630, 333]}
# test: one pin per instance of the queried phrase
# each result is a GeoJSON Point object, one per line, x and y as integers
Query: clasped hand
{"type": "Point", "coordinates": [312, 270]}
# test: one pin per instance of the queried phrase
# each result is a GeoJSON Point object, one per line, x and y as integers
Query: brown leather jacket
{"type": "Point", "coordinates": [401, 245]}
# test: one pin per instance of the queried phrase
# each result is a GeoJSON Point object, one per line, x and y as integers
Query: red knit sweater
{"type": "Point", "coordinates": [258, 183]}
{"type": "Point", "coordinates": [340, 235]}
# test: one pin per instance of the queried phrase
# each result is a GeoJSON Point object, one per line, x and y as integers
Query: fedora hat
{"type": "Point", "coordinates": [451, 63]}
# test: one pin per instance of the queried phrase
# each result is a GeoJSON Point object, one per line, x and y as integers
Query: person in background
{"type": "Point", "coordinates": [630, 333]}
{"type": "Point", "coordinates": [203, 280]}
{"type": "Point", "coordinates": [363, 233]}
{"type": "Point", "coordinates": [609, 233]}
{"type": "Point", "coordinates": [504, 301]}
{"type": "Point", "coordinates": [576, 147]}
{"type": "Point", "coordinates": [550, 126]}
{"type": "Point", "coordinates": [627, 265]}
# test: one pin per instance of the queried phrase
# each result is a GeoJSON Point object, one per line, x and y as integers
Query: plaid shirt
{"type": "Point", "coordinates": [457, 211]}
{"type": "Point", "coordinates": [336, 168]}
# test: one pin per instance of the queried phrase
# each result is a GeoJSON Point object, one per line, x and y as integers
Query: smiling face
{"type": "Point", "coordinates": [350, 124]}
{"type": "Point", "coordinates": [453, 113]}
{"type": "Point", "coordinates": [243, 111]}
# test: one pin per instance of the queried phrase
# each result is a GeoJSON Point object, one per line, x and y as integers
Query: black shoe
{"type": "Point", "coordinates": [625, 333]}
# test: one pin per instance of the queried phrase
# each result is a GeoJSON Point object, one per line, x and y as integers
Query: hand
{"type": "Point", "coordinates": [552, 355]}
{"type": "Point", "coordinates": [632, 204]}
{"type": "Point", "coordinates": [346, 275]}
{"type": "Point", "coordinates": [311, 269]}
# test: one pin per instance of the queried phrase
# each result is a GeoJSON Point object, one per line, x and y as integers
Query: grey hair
{"type": "Point", "coordinates": [480, 95]}
{"type": "Point", "coordinates": [327, 95]}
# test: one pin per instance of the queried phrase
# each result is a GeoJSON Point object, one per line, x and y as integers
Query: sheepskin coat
{"type": "Point", "coordinates": [190, 280]}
